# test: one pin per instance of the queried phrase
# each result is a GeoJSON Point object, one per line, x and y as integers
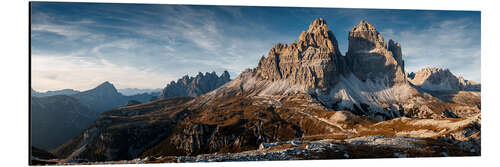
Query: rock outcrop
{"type": "Point", "coordinates": [195, 86]}
{"type": "Point", "coordinates": [437, 79]}
{"type": "Point", "coordinates": [311, 61]}
{"type": "Point", "coordinates": [469, 85]}
{"type": "Point", "coordinates": [369, 57]}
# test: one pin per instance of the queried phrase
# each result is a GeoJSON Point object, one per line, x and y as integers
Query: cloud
{"type": "Point", "coordinates": [58, 72]}
{"type": "Point", "coordinates": [453, 44]}
{"type": "Point", "coordinates": [170, 41]}
{"type": "Point", "coordinates": [69, 32]}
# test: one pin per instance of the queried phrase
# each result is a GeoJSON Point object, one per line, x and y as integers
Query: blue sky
{"type": "Point", "coordinates": [79, 45]}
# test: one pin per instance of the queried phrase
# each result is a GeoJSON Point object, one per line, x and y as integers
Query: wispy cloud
{"type": "Point", "coordinates": [453, 44]}
{"type": "Point", "coordinates": [169, 41]}
{"type": "Point", "coordinates": [56, 72]}
{"type": "Point", "coordinates": [69, 32]}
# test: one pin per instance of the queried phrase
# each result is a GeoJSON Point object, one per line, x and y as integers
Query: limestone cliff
{"type": "Point", "coordinates": [195, 86]}
{"type": "Point", "coordinates": [369, 57]}
{"type": "Point", "coordinates": [311, 61]}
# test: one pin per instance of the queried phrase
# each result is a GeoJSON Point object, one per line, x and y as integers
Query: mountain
{"type": "Point", "coordinates": [55, 119]}
{"type": "Point", "coordinates": [303, 101]}
{"type": "Point", "coordinates": [194, 86]}
{"type": "Point", "coordinates": [144, 97]}
{"type": "Point", "coordinates": [437, 79]}
{"type": "Point", "coordinates": [369, 79]}
{"type": "Point", "coordinates": [102, 98]}
{"type": "Point", "coordinates": [105, 97]}
{"type": "Point", "coordinates": [52, 93]}
{"type": "Point", "coordinates": [135, 91]}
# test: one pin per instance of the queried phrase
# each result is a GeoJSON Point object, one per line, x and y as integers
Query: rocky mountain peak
{"type": "Point", "coordinates": [105, 87]}
{"type": "Point", "coordinates": [310, 61]}
{"type": "Point", "coordinates": [395, 48]}
{"type": "Point", "coordinates": [368, 57]}
{"type": "Point", "coordinates": [195, 86]}
{"type": "Point", "coordinates": [318, 25]}
{"type": "Point", "coordinates": [366, 37]}
{"type": "Point", "coordinates": [106, 84]}
{"type": "Point", "coordinates": [318, 35]}
{"type": "Point", "coordinates": [225, 75]}
{"type": "Point", "coordinates": [438, 79]}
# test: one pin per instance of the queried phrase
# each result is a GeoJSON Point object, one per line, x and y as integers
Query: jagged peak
{"type": "Point", "coordinates": [433, 78]}
{"type": "Point", "coordinates": [195, 86]}
{"type": "Point", "coordinates": [310, 61]}
{"type": "Point", "coordinates": [433, 70]}
{"type": "Point", "coordinates": [368, 33]}
{"type": "Point", "coordinates": [318, 35]}
{"type": "Point", "coordinates": [364, 26]}
{"type": "Point", "coordinates": [187, 79]}
{"type": "Point", "coordinates": [318, 24]}
{"type": "Point", "coordinates": [225, 75]}
{"type": "Point", "coordinates": [393, 43]}
{"type": "Point", "coordinates": [395, 48]}
{"type": "Point", "coordinates": [432, 73]}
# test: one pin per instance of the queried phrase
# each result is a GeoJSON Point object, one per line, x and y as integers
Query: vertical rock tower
{"type": "Point", "coordinates": [311, 61]}
{"type": "Point", "coordinates": [369, 57]}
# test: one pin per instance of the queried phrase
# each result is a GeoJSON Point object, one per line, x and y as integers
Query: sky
{"type": "Point", "coordinates": [80, 45]}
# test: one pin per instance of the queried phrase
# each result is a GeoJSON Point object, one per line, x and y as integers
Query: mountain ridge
{"type": "Point", "coordinates": [56, 119]}
{"type": "Point", "coordinates": [438, 79]}
{"type": "Point", "coordinates": [53, 92]}
{"type": "Point", "coordinates": [194, 86]}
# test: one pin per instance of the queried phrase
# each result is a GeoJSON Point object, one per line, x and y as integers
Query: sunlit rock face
{"type": "Point", "coordinates": [194, 86]}
{"type": "Point", "coordinates": [311, 61]}
{"type": "Point", "coordinates": [437, 79]}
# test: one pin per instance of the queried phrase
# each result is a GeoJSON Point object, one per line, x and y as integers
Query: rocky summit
{"type": "Point", "coordinates": [195, 86]}
{"type": "Point", "coordinates": [369, 57]}
{"type": "Point", "coordinates": [437, 79]}
{"type": "Point", "coordinates": [311, 62]}
{"type": "Point", "coordinates": [303, 101]}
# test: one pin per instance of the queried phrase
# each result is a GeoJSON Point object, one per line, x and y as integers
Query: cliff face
{"type": "Point", "coordinates": [195, 86]}
{"type": "Point", "coordinates": [369, 57]}
{"type": "Point", "coordinates": [310, 62]}
{"type": "Point", "coordinates": [316, 63]}
{"type": "Point", "coordinates": [371, 74]}
{"type": "Point", "coordinates": [437, 79]}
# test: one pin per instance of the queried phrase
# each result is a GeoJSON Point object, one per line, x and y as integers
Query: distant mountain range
{"type": "Point", "coordinates": [135, 91]}
{"type": "Point", "coordinates": [124, 91]}
{"type": "Point", "coordinates": [194, 86]}
{"type": "Point", "coordinates": [55, 92]}
{"type": "Point", "coordinates": [437, 79]}
{"type": "Point", "coordinates": [102, 98]}
{"type": "Point", "coordinates": [59, 115]}
{"type": "Point", "coordinates": [55, 119]}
